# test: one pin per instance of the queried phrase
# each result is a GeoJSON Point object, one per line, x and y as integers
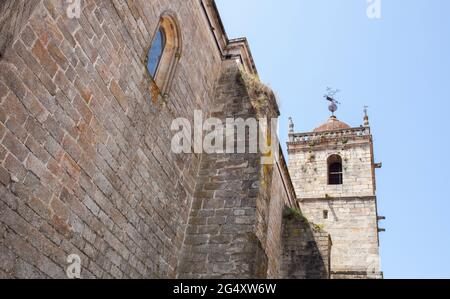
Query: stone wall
{"type": "Point", "coordinates": [235, 224]}
{"type": "Point", "coordinates": [85, 160]}
{"type": "Point", "coordinates": [352, 224]}
{"type": "Point", "coordinates": [278, 200]}
{"type": "Point", "coordinates": [14, 15]}
{"type": "Point", "coordinates": [306, 251]}
{"type": "Point", "coordinates": [220, 240]}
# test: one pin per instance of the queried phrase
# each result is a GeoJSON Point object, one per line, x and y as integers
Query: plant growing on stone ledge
{"type": "Point", "coordinates": [259, 93]}
{"type": "Point", "coordinates": [317, 227]}
{"type": "Point", "coordinates": [294, 213]}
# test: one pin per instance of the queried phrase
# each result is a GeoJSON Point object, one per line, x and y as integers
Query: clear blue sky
{"type": "Point", "coordinates": [400, 67]}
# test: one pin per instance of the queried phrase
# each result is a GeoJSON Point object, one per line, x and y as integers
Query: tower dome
{"type": "Point", "coordinates": [333, 124]}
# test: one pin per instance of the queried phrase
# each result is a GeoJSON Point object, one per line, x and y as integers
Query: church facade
{"type": "Point", "coordinates": [89, 92]}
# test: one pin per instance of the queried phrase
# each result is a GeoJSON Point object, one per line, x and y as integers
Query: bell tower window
{"type": "Point", "coordinates": [335, 175]}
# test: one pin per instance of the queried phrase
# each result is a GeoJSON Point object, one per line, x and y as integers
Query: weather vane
{"type": "Point", "coordinates": [330, 96]}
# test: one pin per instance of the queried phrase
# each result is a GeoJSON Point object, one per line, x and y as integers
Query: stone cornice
{"type": "Point", "coordinates": [238, 48]}
{"type": "Point", "coordinates": [348, 138]}
{"type": "Point", "coordinates": [371, 197]}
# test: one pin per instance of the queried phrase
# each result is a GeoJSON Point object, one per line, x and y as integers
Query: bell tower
{"type": "Point", "coordinates": [333, 172]}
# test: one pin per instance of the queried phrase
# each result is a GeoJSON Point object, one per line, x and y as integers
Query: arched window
{"type": "Point", "coordinates": [156, 51]}
{"type": "Point", "coordinates": [335, 175]}
{"type": "Point", "coordinates": [164, 54]}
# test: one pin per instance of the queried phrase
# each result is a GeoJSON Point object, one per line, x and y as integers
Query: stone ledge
{"type": "Point", "coordinates": [337, 198]}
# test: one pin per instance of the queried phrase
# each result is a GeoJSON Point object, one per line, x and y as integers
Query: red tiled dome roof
{"type": "Point", "coordinates": [333, 124]}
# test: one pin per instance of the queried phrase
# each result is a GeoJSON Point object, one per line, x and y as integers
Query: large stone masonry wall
{"type": "Point", "coordinates": [220, 240]}
{"type": "Point", "coordinates": [14, 15]}
{"type": "Point", "coordinates": [236, 219]}
{"type": "Point", "coordinates": [306, 250]}
{"type": "Point", "coordinates": [85, 160]}
{"type": "Point", "coordinates": [352, 224]}
{"type": "Point", "coordinates": [279, 198]}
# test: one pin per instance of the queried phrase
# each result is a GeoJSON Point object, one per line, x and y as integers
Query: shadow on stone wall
{"type": "Point", "coordinates": [259, 267]}
{"type": "Point", "coordinates": [306, 250]}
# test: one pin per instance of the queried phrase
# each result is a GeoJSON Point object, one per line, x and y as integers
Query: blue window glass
{"type": "Point", "coordinates": [155, 52]}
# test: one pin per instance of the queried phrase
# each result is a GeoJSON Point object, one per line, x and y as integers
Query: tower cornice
{"type": "Point", "coordinates": [348, 137]}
